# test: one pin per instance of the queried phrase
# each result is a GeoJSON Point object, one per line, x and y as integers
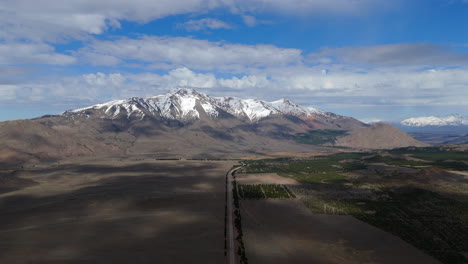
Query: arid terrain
{"type": "Point", "coordinates": [407, 205]}
{"type": "Point", "coordinates": [285, 231]}
{"type": "Point", "coordinates": [113, 210]}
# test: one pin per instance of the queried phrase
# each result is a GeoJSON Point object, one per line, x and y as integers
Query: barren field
{"type": "Point", "coordinates": [285, 231]}
{"type": "Point", "coordinates": [116, 211]}
{"type": "Point", "coordinates": [264, 178]}
{"type": "Point", "coordinates": [417, 194]}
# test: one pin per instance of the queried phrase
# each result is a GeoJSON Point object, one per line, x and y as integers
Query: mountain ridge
{"type": "Point", "coordinates": [188, 124]}
{"type": "Point", "coordinates": [181, 104]}
{"type": "Point", "coordinates": [436, 121]}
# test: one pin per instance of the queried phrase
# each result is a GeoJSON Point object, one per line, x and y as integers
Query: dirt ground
{"type": "Point", "coordinates": [264, 178]}
{"type": "Point", "coordinates": [116, 211]}
{"type": "Point", "coordinates": [140, 210]}
{"type": "Point", "coordinates": [285, 231]}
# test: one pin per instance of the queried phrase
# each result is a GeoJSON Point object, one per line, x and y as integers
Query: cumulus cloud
{"type": "Point", "coordinates": [40, 23]}
{"type": "Point", "coordinates": [181, 77]}
{"type": "Point", "coordinates": [204, 24]}
{"type": "Point", "coordinates": [82, 90]}
{"type": "Point", "coordinates": [317, 7]}
{"type": "Point", "coordinates": [171, 52]}
{"type": "Point", "coordinates": [377, 82]}
{"type": "Point", "coordinates": [405, 54]}
{"type": "Point", "coordinates": [307, 87]}
{"type": "Point", "coordinates": [189, 52]}
{"type": "Point", "coordinates": [252, 21]}
{"type": "Point", "coordinates": [20, 53]}
{"type": "Point", "coordinates": [52, 20]}
{"type": "Point", "coordinates": [7, 92]}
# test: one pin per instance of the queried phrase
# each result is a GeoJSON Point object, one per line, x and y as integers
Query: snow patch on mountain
{"type": "Point", "coordinates": [289, 108]}
{"type": "Point", "coordinates": [451, 120]}
{"type": "Point", "coordinates": [371, 121]}
{"type": "Point", "coordinates": [183, 104]}
{"type": "Point", "coordinates": [256, 109]}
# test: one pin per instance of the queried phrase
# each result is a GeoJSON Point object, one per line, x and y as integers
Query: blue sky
{"type": "Point", "coordinates": [370, 59]}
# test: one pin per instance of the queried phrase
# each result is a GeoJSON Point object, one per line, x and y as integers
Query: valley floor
{"type": "Point", "coordinates": [314, 209]}
{"type": "Point", "coordinates": [389, 206]}
{"type": "Point", "coordinates": [116, 211]}
{"type": "Point", "coordinates": [285, 231]}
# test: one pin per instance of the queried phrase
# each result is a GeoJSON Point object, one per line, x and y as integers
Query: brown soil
{"type": "Point", "coordinates": [264, 178]}
{"type": "Point", "coordinates": [284, 231]}
{"type": "Point", "coordinates": [116, 211]}
{"type": "Point", "coordinates": [10, 182]}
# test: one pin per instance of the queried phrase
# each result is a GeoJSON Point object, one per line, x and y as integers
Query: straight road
{"type": "Point", "coordinates": [230, 211]}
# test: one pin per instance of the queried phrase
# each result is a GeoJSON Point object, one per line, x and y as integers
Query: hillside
{"type": "Point", "coordinates": [185, 123]}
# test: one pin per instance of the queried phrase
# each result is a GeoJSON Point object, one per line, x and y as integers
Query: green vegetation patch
{"type": "Point", "coordinates": [251, 191]}
{"type": "Point", "coordinates": [275, 191]}
{"type": "Point", "coordinates": [451, 165]}
{"type": "Point", "coordinates": [324, 169]}
{"type": "Point", "coordinates": [319, 137]}
{"type": "Point", "coordinates": [434, 223]}
{"type": "Point", "coordinates": [319, 205]}
{"type": "Point", "coordinates": [416, 150]}
{"type": "Point", "coordinates": [264, 191]}
{"type": "Point", "coordinates": [433, 153]}
{"type": "Point", "coordinates": [443, 155]}
{"type": "Point", "coordinates": [432, 162]}
{"type": "Point", "coordinates": [398, 162]}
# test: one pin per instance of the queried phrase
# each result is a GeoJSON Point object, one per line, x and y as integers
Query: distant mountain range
{"type": "Point", "coordinates": [186, 123]}
{"type": "Point", "coordinates": [438, 121]}
{"type": "Point", "coordinates": [435, 130]}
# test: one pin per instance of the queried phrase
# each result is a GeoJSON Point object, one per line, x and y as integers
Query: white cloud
{"type": "Point", "coordinates": [52, 20]}
{"type": "Point", "coordinates": [7, 92]}
{"type": "Point", "coordinates": [171, 52]}
{"type": "Point", "coordinates": [18, 53]}
{"type": "Point", "coordinates": [188, 52]}
{"type": "Point", "coordinates": [306, 86]}
{"type": "Point", "coordinates": [39, 23]}
{"type": "Point", "coordinates": [245, 82]}
{"type": "Point", "coordinates": [181, 77]}
{"type": "Point", "coordinates": [204, 24]}
{"type": "Point", "coordinates": [317, 7]}
{"type": "Point", "coordinates": [101, 79]}
{"type": "Point", "coordinates": [383, 83]}
{"type": "Point", "coordinates": [405, 54]}
{"type": "Point", "coordinates": [252, 21]}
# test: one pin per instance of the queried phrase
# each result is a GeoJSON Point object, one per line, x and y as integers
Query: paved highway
{"type": "Point", "coordinates": [230, 212]}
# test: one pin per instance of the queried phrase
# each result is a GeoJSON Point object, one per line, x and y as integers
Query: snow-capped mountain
{"type": "Point", "coordinates": [439, 121]}
{"type": "Point", "coordinates": [185, 123]}
{"type": "Point", "coordinates": [188, 104]}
